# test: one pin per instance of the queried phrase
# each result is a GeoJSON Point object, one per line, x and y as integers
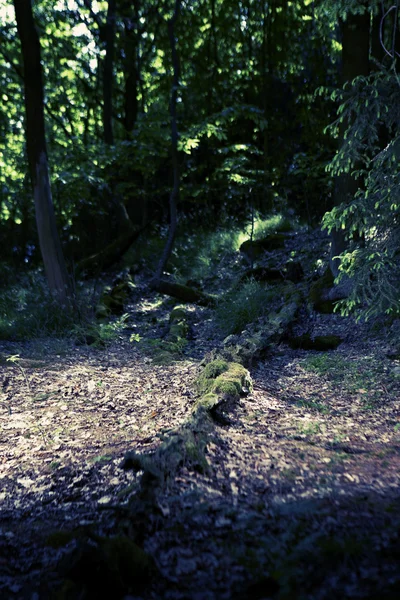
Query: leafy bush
{"type": "Point", "coordinates": [28, 310]}
{"type": "Point", "coordinates": [263, 227]}
{"type": "Point", "coordinates": [242, 306]}
{"type": "Point", "coordinates": [371, 218]}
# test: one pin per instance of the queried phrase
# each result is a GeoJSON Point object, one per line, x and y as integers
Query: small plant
{"type": "Point", "coordinates": [310, 428]}
{"type": "Point", "coordinates": [313, 405]}
{"type": "Point", "coordinates": [98, 334]}
{"type": "Point", "coordinates": [15, 360]}
{"type": "Point", "coordinates": [241, 306]}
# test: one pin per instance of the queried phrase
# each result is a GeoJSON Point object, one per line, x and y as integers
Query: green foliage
{"type": "Point", "coordinates": [369, 108]}
{"type": "Point", "coordinates": [226, 121]}
{"type": "Point", "coordinates": [364, 376]}
{"type": "Point", "coordinates": [242, 305]}
{"type": "Point", "coordinates": [199, 255]}
{"type": "Point", "coordinates": [266, 226]}
{"type": "Point", "coordinates": [98, 334]}
{"type": "Point", "coordinates": [27, 311]}
{"type": "Point", "coordinates": [335, 9]}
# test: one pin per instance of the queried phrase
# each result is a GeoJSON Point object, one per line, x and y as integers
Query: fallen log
{"type": "Point", "coordinates": [183, 293]}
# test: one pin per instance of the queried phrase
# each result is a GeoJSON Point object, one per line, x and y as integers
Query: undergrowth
{"type": "Point", "coordinates": [199, 254]}
{"type": "Point", "coordinates": [242, 305]}
{"type": "Point", "coordinates": [28, 311]}
{"type": "Point", "coordinates": [365, 375]}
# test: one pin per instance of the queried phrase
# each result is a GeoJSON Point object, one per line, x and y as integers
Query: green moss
{"type": "Point", "coordinates": [215, 368]}
{"type": "Point", "coordinates": [209, 400]}
{"type": "Point", "coordinates": [179, 313]}
{"type": "Point", "coordinates": [222, 378]}
{"type": "Point", "coordinates": [211, 371]}
{"type": "Point", "coordinates": [178, 330]}
{"type": "Point", "coordinates": [227, 387]}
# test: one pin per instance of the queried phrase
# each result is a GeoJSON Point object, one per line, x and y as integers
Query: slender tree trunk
{"type": "Point", "coordinates": [49, 241]}
{"type": "Point", "coordinates": [108, 73]}
{"type": "Point", "coordinates": [173, 199]}
{"type": "Point", "coordinates": [355, 61]}
{"type": "Point", "coordinates": [131, 71]}
{"type": "Point", "coordinates": [266, 67]}
{"type": "Point", "coordinates": [213, 58]}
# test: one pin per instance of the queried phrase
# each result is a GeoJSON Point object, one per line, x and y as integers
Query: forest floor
{"type": "Point", "coordinates": [301, 495]}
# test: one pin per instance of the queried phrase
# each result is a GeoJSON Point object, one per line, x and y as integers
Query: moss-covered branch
{"type": "Point", "coordinates": [183, 293]}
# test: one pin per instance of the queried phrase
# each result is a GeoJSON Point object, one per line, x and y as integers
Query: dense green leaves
{"type": "Point", "coordinates": [252, 129]}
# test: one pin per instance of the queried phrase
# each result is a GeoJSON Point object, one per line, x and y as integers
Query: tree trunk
{"type": "Point", "coordinates": [355, 61]}
{"type": "Point", "coordinates": [131, 72]}
{"type": "Point", "coordinates": [173, 199]}
{"type": "Point", "coordinates": [108, 75]}
{"type": "Point", "coordinates": [49, 241]}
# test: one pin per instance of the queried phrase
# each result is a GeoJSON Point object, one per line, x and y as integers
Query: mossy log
{"type": "Point", "coordinates": [183, 293]}
{"type": "Point", "coordinates": [255, 341]}
{"type": "Point", "coordinates": [221, 384]}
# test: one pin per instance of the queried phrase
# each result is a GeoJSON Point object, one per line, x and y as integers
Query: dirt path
{"type": "Point", "coordinates": [301, 498]}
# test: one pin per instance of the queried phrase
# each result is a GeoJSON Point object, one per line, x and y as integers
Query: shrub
{"type": "Point", "coordinates": [242, 306]}
{"type": "Point", "coordinates": [28, 310]}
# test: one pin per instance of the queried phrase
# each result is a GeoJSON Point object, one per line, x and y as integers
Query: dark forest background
{"type": "Point", "coordinates": [125, 121]}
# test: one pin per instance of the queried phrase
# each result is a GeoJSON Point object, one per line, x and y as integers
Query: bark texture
{"type": "Point", "coordinates": [49, 241]}
{"type": "Point", "coordinates": [173, 199]}
{"type": "Point", "coordinates": [108, 75]}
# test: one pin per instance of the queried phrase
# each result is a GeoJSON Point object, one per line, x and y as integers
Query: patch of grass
{"type": "Point", "coordinates": [198, 257]}
{"type": "Point", "coordinates": [263, 227]}
{"type": "Point", "coordinates": [241, 306]}
{"type": "Point", "coordinates": [310, 428]}
{"type": "Point", "coordinates": [313, 405]}
{"type": "Point", "coordinates": [364, 376]}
